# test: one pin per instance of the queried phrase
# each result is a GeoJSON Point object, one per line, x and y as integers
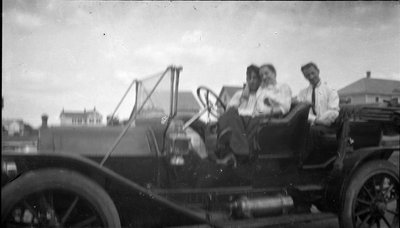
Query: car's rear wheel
{"type": "Point", "coordinates": [372, 197]}
{"type": "Point", "coordinates": [56, 198]}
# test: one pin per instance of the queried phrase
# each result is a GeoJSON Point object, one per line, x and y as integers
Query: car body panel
{"type": "Point", "coordinates": [150, 190]}
{"type": "Point", "coordinates": [116, 185]}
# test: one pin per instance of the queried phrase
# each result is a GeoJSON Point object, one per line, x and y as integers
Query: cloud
{"type": "Point", "coordinates": [190, 37]}
{"type": "Point", "coordinates": [124, 76]}
{"type": "Point", "coordinates": [164, 53]}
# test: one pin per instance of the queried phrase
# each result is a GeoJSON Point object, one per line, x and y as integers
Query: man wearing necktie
{"type": "Point", "coordinates": [324, 104]}
{"type": "Point", "coordinates": [324, 100]}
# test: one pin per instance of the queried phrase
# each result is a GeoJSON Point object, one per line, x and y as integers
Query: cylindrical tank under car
{"type": "Point", "coordinates": [266, 205]}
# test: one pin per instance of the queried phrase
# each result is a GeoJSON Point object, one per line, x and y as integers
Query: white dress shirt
{"type": "Point", "coordinates": [245, 107]}
{"type": "Point", "coordinates": [326, 103]}
{"type": "Point", "coordinates": [279, 97]}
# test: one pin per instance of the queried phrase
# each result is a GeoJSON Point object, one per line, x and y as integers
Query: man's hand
{"type": "Point", "coordinates": [327, 118]}
{"type": "Point", "coordinates": [321, 121]}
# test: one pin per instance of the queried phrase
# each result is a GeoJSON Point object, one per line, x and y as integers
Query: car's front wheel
{"type": "Point", "coordinates": [56, 198]}
{"type": "Point", "coordinates": [372, 197]}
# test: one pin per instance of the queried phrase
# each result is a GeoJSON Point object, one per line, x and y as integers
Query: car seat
{"type": "Point", "coordinates": [284, 137]}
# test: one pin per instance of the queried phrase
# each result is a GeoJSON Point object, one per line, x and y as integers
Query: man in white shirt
{"type": "Point", "coordinates": [273, 98]}
{"type": "Point", "coordinates": [240, 111]}
{"type": "Point", "coordinates": [270, 98]}
{"type": "Point", "coordinates": [261, 97]}
{"type": "Point", "coordinates": [245, 100]}
{"type": "Point", "coordinates": [324, 100]}
{"type": "Point", "coordinates": [324, 106]}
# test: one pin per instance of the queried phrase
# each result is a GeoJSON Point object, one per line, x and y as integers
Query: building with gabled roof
{"type": "Point", "coordinates": [370, 90]}
{"type": "Point", "coordinates": [187, 103]}
{"type": "Point", "coordinates": [18, 136]}
{"type": "Point", "coordinates": [227, 93]}
{"type": "Point", "coordinates": [85, 118]}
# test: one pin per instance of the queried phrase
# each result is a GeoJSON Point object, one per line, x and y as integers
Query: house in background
{"type": "Point", "coordinates": [370, 90]}
{"type": "Point", "coordinates": [227, 93]}
{"type": "Point", "coordinates": [13, 127]}
{"type": "Point", "coordinates": [187, 104]}
{"type": "Point", "coordinates": [85, 118]}
{"type": "Point", "coordinates": [18, 136]}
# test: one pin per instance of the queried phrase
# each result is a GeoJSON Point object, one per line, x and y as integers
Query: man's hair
{"type": "Point", "coordinates": [253, 68]}
{"type": "Point", "coordinates": [270, 67]}
{"type": "Point", "coordinates": [308, 65]}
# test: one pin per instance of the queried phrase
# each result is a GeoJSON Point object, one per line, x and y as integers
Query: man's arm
{"type": "Point", "coordinates": [302, 97]}
{"type": "Point", "coordinates": [328, 117]}
{"type": "Point", "coordinates": [333, 100]}
{"type": "Point", "coordinates": [235, 100]}
{"type": "Point", "coordinates": [284, 98]}
{"type": "Point", "coordinates": [312, 118]}
{"type": "Point", "coordinates": [268, 99]}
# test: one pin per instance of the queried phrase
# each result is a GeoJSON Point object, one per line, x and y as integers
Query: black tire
{"type": "Point", "coordinates": [370, 196]}
{"type": "Point", "coordinates": [56, 196]}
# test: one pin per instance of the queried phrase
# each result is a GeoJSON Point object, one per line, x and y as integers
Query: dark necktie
{"type": "Point", "coordinates": [313, 101]}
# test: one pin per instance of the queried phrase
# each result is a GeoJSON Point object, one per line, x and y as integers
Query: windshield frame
{"type": "Point", "coordinates": [175, 72]}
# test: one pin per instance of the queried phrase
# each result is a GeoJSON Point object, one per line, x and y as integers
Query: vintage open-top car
{"type": "Point", "coordinates": [155, 170]}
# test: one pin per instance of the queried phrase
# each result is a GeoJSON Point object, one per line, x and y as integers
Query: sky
{"type": "Point", "coordinates": [84, 54]}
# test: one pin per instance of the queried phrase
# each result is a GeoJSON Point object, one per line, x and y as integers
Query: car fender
{"type": "Point", "coordinates": [336, 185]}
{"type": "Point", "coordinates": [102, 175]}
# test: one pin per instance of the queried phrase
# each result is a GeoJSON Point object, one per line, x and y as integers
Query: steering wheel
{"type": "Point", "coordinates": [203, 93]}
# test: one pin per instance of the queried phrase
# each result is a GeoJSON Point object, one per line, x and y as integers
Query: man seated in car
{"type": "Point", "coordinates": [275, 98]}
{"type": "Point", "coordinates": [261, 97]}
{"type": "Point", "coordinates": [324, 105]}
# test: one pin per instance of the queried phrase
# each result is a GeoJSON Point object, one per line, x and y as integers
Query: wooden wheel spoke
{"type": "Point", "coordinates": [57, 198]}
{"type": "Point", "coordinates": [362, 212]}
{"type": "Point", "coordinates": [364, 221]}
{"type": "Point", "coordinates": [378, 223]}
{"type": "Point", "coordinates": [70, 208]}
{"type": "Point", "coordinates": [368, 192]}
{"type": "Point", "coordinates": [392, 212]}
{"type": "Point", "coordinates": [385, 220]}
{"type": "Point", "coordinates": [85, 222]}
{"type": "Point", "coordinates": [371, 196]}
{"type": "Point", "coordinates": [392, 199]}
{"type": "Point", "coordinates": [363, 201]}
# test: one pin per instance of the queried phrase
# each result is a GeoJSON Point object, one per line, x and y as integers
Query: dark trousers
{"type": "Point", "coordinates": [315, 140]}
{"type": "Point", "coordinates": [244, 129]}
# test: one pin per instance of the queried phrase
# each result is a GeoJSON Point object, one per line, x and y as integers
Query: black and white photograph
{"type": "Point", "coordinates": [197, 114]}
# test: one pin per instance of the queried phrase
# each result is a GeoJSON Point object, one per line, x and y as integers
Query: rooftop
{"type": "Point", "coordinates": [75, 114]}
{"type": "Point", "coordinates": [8, 121]}
{"type": "Point", "coordinates": [230, 90]}
{"type": "Point", "coordinates": [187, 102]}
{"type": "Point", "coordinates": [371, 86]}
